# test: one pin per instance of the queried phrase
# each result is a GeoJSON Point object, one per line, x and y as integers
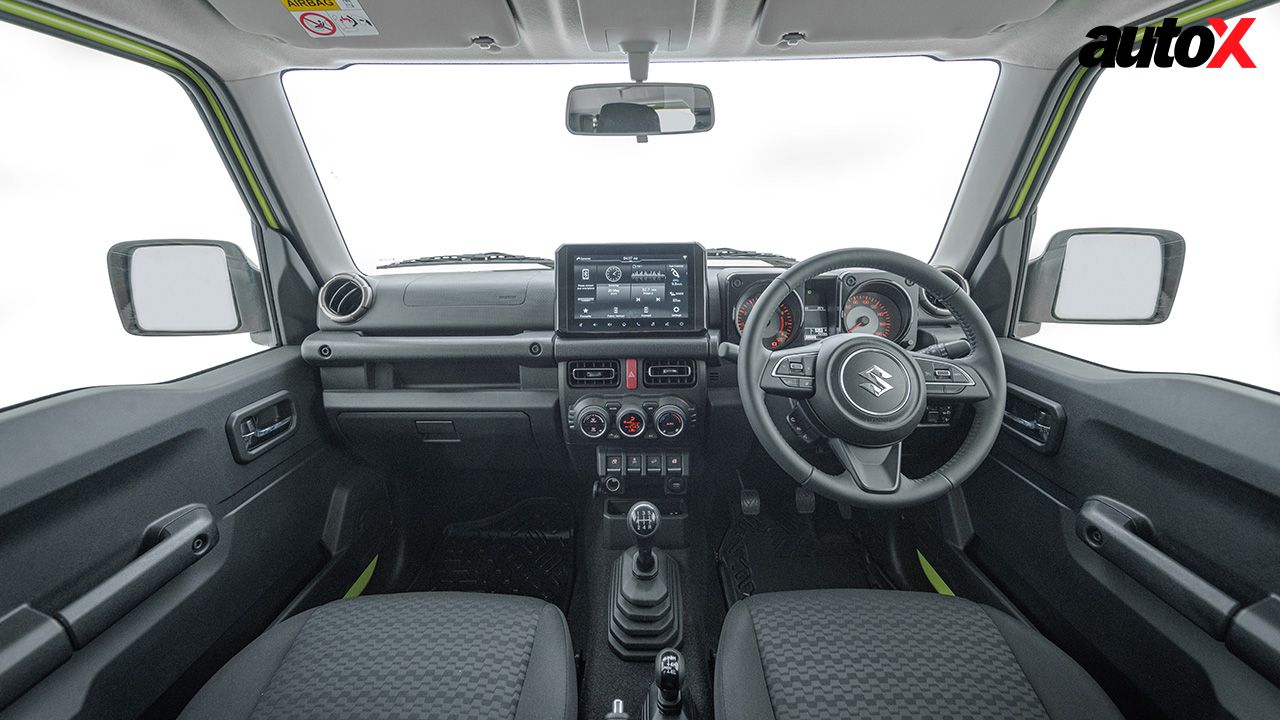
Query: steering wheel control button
{"type": "Point", "coordinates": [796, 366]}
{"type": "Point", "coordinates": [670, 421]}
{"type": "Point", "coordinates": [593, 422]}
{"type": "Point", "coordinates": [631, 422]}
{"type": "Point", "coordinates": [944, 377]}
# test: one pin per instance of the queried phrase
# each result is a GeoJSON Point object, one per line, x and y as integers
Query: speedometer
{"type": "Point", "coordinates": [873, 314]}
{"type": "Point", "coordinates": [781, 327]}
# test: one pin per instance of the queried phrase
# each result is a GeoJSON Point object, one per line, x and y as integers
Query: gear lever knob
{"type": "Point", "coordinates": [643, 518]}
{"type": "Point", "coordinates": [669, 669]}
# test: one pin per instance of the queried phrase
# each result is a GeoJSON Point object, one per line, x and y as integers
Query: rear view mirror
{"type": "Point", "coordinates": [1119, 276]}
{"type": "Point", "coordinates": [186, 287]}
{"type": "Point", "coordinates": [639, 109]}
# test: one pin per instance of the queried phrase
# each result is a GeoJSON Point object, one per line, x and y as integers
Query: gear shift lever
{"type": "Point", "coordinates": [644, 592]}
{"type": "Point", "coordinates": [643, 518]}
{"type": "Point", "coordinates": [669, 668]}
{"type": "Point", "coordinates": [665, 700]}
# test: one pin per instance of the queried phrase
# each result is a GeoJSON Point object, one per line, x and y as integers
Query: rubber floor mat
{"type": "Point", "coordinates": [526, 550]}
{"type": "Point", "coordinates": [770, 552]}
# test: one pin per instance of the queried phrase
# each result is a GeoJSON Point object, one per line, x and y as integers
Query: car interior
{"type": "Point", "coordinates": [595, 480]}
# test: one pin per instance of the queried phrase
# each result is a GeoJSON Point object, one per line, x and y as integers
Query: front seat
{"type": "Point", "coordinates": [890, 654]}
{"type": "Point", "coordinates": [412, 655]}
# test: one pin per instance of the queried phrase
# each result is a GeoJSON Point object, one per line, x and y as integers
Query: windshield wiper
{"type": "Point", "coordinates": [767, 258]}
{"type": "Point", "coordinates": [467, 258]}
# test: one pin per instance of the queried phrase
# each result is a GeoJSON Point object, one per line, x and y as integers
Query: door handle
{"type": "Point", "coordinates": [1034, 419]}
{"type": "Point", "coordinates": [258, 427]}
{"type": "Point", "coordinates": [1119, 533]}
{"type": "Point", "coordinates": [174, 542]}
{"type": "Point", "coordinates": [1116, 532]}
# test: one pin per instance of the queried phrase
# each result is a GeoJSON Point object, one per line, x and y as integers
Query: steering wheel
{"type": "Point", "coordinates": [866, 394]}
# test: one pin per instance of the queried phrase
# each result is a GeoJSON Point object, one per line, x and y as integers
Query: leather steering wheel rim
{"type": "Point", "coordinates": [984, 365]}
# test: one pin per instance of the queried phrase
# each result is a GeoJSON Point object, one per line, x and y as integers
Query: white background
{"type": "Point", "coordinates": [865, 152]}
{"type": "Point", "coordinates": [805, 156]}
{"type": "Point", "coordinates": [97, 150]}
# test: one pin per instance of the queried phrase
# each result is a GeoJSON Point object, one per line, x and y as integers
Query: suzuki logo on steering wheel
{"type": "Point", "coordinates": [877, 380]}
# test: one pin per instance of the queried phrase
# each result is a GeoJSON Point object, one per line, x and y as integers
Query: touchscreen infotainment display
{"type": "Point", "coordinates": [630, 288]}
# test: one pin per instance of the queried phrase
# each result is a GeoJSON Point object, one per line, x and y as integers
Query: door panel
{"type": "Point", "coordinates": [87, 473]}
{"type": "Point", "coordinates": [1199, 458]}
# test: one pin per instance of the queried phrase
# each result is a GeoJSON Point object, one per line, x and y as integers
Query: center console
{"type": "Point", "coordinates": [633, 403]}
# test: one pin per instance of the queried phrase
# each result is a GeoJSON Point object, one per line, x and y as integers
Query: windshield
{"type": "Point", "coordinates": [805, 156]}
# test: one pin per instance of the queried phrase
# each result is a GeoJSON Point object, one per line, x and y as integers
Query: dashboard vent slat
{"type": "Point", "coordinates": [670, 373]}
{"type": "Point", "coordinates": [593, 373]}
{"type": "Point", "coordinates": [345, 297]}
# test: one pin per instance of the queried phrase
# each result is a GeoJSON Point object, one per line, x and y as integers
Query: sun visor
{"type": "Point", "coordinates": [375, 23]}
{"type": "Point", "coordinates": [823, 21]}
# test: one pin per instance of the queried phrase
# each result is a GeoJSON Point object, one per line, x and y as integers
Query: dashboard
{"type": "Point", "coordinates": [609, 363]}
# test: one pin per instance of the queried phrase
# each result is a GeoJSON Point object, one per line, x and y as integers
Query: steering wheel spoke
{"type": "Point", "coordinates": [951, 380]}
{"type": "Point", "coordinates": [790, 372]}
{"type": "Point", "coordinates": [875, 470]}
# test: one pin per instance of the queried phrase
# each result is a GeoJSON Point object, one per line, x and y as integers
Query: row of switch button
{"type": "Point", "coordinates": [653, 463]}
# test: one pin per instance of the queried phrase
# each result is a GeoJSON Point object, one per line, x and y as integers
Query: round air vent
{"type": "Point", "coordinates": [931, 303]}
{"type": "Point", "coordinates": [345, 297]}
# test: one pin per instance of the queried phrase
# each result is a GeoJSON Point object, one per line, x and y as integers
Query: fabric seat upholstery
{"type": "Point", "coordinates": [413, 655]}
{"type": "Point", "coordinates": [888, 654]}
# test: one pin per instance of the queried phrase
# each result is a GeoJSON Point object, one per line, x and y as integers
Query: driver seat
{"type": "Point", "coordinates": [893, 654]}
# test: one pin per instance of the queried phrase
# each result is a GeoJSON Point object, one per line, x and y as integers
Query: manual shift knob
{"type": "Point", "coordinates": [669, 668]}
{"type": "Point", "coordinates": [643, 518]}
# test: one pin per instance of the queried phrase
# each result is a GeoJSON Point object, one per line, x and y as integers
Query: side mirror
{"type": "Point", "coordinates": [639, 109]}
{"type": "Point", "coordinates": [186, 287]}
{"type": "Point", "coordinates": [1116, 276]}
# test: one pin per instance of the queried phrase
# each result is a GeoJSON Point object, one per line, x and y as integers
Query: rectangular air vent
{"type": "Point", "coordinates": [593, 373]}
{"type": "Point", "coordinates": [670, 373]}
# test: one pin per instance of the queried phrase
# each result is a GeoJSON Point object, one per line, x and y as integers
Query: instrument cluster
{"type": "Point", "coordinates": [870, 302]}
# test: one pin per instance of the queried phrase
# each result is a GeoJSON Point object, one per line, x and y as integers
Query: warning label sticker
{"type": "Point", "coordinates": [331, 18]}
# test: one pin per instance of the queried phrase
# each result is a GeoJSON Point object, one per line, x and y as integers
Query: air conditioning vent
{"type": "Point", "coordinates": [593, 373]}
{"type": "Point", "coordinates": [345, 297]}
{"type": "Point", "coordinates": [670, 373]}
{"type": "Point", "coordinates": [931, 303]}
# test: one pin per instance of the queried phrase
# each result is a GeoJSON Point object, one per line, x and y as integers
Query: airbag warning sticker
{"type": "Point", "coordinates": [331, 18]}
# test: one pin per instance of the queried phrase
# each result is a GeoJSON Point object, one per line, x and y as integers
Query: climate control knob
{"type": "Point", "coordinates": [669, 420]}
{"type": "Point", "coordinates": [631, 421]}
{"type": "Point", "coordinates": [593, 421]}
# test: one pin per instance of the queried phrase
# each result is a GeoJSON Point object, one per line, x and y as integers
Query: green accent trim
{"type": "Point", "coordinates": [1195, 14]}
{"type": "Point", "coordinates": [1049, 133]}
{"type": "Point", "coordinates": [123, 44]}
{"type": "Point", "coordinates": [362, 582]}
{"type": "Point", "coordinates": [939, 585]}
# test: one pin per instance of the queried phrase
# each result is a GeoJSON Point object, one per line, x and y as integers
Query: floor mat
{"type": "Point", "coordinates": [783, 550]}
{"type": "Point", "coordinates": [526, 550]}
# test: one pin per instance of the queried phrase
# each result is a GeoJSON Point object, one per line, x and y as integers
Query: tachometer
{"type": "Point", "coordinates": [873, 314]}
{"type": "Point", "coordinates": [781, 328]}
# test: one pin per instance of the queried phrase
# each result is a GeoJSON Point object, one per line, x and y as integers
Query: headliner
{"type": "Point", "coordinates": [552, 31]}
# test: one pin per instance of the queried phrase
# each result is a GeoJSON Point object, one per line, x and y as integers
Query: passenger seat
{"type": "Point", "coordinates": [412, 655]}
